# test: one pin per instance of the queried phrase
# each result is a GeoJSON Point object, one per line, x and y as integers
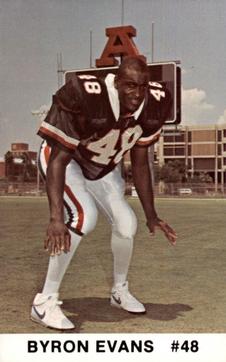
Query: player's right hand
{"type": "Point", "coordinates": [57, 239]}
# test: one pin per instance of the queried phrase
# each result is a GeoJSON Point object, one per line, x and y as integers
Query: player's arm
{"type": "Point", "coordinates": [143, 183]}
{"type": "Point", "coordinates": [57, 236]}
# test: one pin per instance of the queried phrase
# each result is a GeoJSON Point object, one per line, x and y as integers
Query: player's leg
{"type": "Point", "coordinates": [80, 218]}
{"type": "Point", "coordinates": [109, 194]}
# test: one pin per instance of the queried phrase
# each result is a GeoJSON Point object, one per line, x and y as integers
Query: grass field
{"type": "Point", "coordinates": [183, 287]}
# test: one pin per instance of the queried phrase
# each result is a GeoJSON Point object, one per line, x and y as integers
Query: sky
{"type": "Point", "coordinates": [33, 32]}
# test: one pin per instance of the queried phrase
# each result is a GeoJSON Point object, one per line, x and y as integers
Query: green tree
{"type": "Point", "coordinates": [201, 177]}
{"type": "Point", "coordinates": [173, 171]}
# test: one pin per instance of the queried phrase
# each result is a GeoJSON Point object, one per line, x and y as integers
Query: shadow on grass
{"type": "Point", "coordinates": [99, 310]}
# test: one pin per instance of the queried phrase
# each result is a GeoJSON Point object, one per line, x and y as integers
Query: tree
{"type": "Point", "coordinates": [173, 171]}
{"type": "Point", "coordinates": [201, 177]}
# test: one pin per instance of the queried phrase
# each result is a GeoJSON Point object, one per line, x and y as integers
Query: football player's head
{"type": "Point", "coordinates": [131, 82]}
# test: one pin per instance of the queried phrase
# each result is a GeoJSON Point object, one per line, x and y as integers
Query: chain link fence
{"type": "Point", "coordinates": [21, 188]}
{"type": "Point", "coordinates": [161, 189]}
{"type": "Point", "coordinates": [183, 190]}
{"type": "Point", "coordinates": [188, 189]}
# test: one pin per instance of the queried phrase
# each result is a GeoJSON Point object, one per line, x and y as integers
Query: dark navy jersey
{"type": "Point", "coordinates": [85, 120]}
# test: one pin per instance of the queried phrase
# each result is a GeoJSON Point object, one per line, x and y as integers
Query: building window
{"type": "Point", "coordinates": [204, 164]}
{"type": "Point", "coordinates": [179, 151]}
{"type": "Point", "coordinates": [224, 147]}
{"type": "Point", "coordinates": [219, 149]}
{"type": "Point", "coordinates": [189, 136]}
{"type": "Point", "coordinates": [219, 135]}
{"type": "Point", "coordinates": [169, 139]}
{"type": "Point", "coordinates": [224, 161]}
{"type": "Point", "coordinates": [219, 163]}
{"type": "Point", "coordinates": [224, 132]}
{"type": "Point", "coordinates": [179, 138]}
{"type": "Point", "coordinates": [189, 150]}
{"type": "Point", "coordinates": [168, 151]}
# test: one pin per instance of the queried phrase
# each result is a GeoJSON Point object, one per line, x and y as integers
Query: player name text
{"type": "Point", "coordinates": [85, 346]}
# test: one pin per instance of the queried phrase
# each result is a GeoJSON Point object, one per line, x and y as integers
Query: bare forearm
{"type": "Point", "coordinates": [142, 178]}
{"type": "Point", "coordinates": [55, 183]}
{"type": "Point", "coordinates": [58, 238]}
{"type": "Point", "coordinates": [143, 184]}
{"type": "Point", "coordinates": [55, 190]}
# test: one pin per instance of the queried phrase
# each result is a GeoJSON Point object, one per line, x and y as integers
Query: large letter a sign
{"type": "Point", "coordinates": [120, 44]}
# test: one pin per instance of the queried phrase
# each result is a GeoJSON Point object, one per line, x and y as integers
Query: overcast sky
{"type": "Point", "coordinates": [32, 32]}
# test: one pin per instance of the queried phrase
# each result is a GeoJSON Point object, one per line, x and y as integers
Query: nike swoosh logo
{"type": "Point", "coordinates": [41, 316]}
{"type": "Point", "coordinates": [117, 300]}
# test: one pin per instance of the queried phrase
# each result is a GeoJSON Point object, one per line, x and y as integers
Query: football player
{"type": "Point", "coordinates": [92, 123]}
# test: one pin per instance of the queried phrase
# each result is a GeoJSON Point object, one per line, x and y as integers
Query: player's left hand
{"type": "Point", "coordinates": [162, 225]}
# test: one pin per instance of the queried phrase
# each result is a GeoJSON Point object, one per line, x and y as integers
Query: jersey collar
{"type": "Point", "coordinates": [114, 100]}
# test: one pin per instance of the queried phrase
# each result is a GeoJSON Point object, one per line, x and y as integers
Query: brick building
{"type": "Point", "coordinates": [20, 163]}
{"type": "Point", "coordinates": [2, 168]}
{"type": "Point", "coordinates": [201, 148]}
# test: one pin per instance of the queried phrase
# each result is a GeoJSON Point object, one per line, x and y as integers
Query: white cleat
{"type": "Point", "coordinates": [121, 298]}
{"type": "Point", "coordinates": [46, 311]}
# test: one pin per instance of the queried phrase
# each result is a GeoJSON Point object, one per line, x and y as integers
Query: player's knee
{"type": "Point", "coordinates": [90, 220]}
{"type": "Point", "coordinates": [126, 224]}
{"type": "Point", "coordinates": [81, 220]}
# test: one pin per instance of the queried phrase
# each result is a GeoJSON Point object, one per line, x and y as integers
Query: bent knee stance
{"type": "Point", "coordinates": [80, 213]}
{"type": "Point", "coordinates": [80, 218]}
{"type": "Point", "coordinates": [125, 223]}
{"type": "Point", "coordinates": [90, 219]}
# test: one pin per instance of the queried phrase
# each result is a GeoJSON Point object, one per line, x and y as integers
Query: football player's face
{"type": "Point", "coordinates": [132, 87]}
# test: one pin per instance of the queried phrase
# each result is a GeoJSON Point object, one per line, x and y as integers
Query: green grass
{"type": "Point", "coordinates": [183, 287]}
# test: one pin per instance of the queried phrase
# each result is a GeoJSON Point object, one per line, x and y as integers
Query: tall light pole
{"type": "Point", "coordinates": [152, 41]}
{"type": "Point", "coordinates": [122, 13]}
{"type": "Point", "coordinates": [60, 70]}
{"type": "Point", "coordinates": [90, 48]}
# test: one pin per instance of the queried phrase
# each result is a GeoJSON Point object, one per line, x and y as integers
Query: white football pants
{"type": "Point", "coordinates": [83, 198]}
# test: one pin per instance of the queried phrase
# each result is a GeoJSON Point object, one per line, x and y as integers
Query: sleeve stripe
{"type": "Point", "coordinates": [58, 135]}
{"type": "Point", "coordinates": [148, 140]}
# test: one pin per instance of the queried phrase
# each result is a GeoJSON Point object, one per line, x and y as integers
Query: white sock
{"type": "Point", "coordinates": [58, 265]}
{"type": "Point", "coordinates": [122, 249]}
